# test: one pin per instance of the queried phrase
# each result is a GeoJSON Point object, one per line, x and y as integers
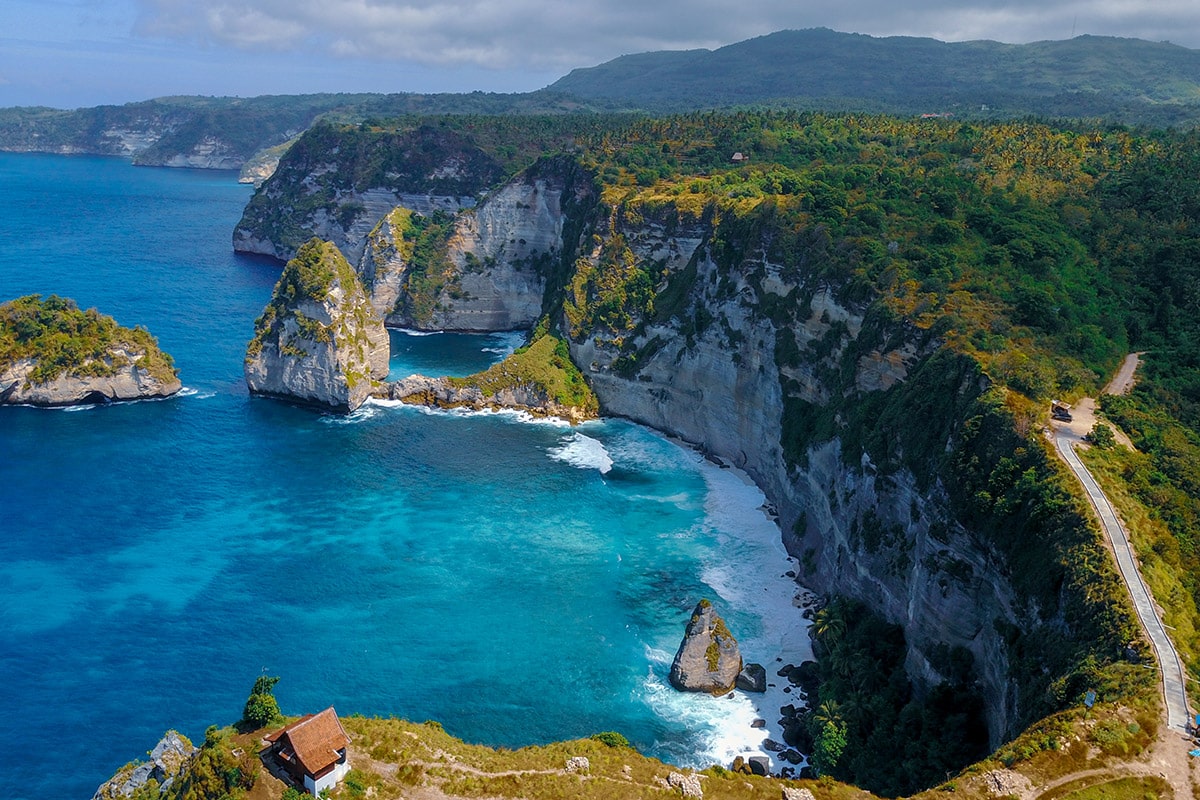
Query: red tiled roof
{"type": "Point", "coordinates": [315, 739]}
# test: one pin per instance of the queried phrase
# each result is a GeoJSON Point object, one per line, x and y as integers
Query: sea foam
{"type": "Point", "coordinates": [503, 344]}
{"type": "Point", "coordinates": [583, 452]}
{"type": "Point", "coordinates": [761, 605]}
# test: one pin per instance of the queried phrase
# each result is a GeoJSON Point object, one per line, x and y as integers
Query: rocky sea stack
{"type": "Point", "coordinates": [318, 342]}
{"type": "Point", "coordinates": [708, 659]}
{"type": "Point", "coordinates": [54, 354]}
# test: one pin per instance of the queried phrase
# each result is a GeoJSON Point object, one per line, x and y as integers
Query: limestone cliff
{"type": "Point", "coordinates": [685, 322]}
{"type": "Point", "coordinates": [484, 269]}
{"type": "Point", "coordinates": [168, 760]}
{"type": "Point", "coordinates": [731, 326]}
{"type": "Point", "coordinates": [125, 379]}
{"type": "Point", "coordinates": [337, 185]}
{"type": "Point", "coordinates": [54, 354]}
{"type": "Point", "coordinates": [319, 341]}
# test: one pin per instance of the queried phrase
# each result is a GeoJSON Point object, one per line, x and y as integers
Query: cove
{"type": "Point", "coordinates": [518, 581]}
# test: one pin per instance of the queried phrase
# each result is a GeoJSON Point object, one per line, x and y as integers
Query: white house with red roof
{"type": "Point", "coordinates": [312, 750]}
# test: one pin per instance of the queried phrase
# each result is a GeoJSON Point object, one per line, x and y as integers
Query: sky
{"type": "Point", "coordinates": [73, 53]}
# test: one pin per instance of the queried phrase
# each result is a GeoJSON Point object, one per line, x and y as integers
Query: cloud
{"type": "Point", "coordinates": [557, 35]}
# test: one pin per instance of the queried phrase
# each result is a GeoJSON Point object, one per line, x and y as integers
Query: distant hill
{"type": "Point", "coordinates": [1125, 80]}
{"type": "Point", "coordinates": [226, 132]}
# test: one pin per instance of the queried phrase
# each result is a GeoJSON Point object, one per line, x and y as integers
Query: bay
{"type": "Point", "coordinates": [518, 581]}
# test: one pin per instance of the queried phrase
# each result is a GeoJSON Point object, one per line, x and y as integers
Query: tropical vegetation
{"type": "Point", "coordinates": [59, 338]}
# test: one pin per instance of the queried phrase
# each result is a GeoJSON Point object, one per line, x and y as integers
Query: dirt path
{"type": "Point", "coordinates": [1123, 381]}
{"type": "Point", "coordinates": [1083, 413]}
{"type": "Point", "coordinates": [1166, 758]}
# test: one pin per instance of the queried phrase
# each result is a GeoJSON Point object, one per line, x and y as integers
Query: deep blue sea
{"type": "Point", "coordinates": [518, 581]}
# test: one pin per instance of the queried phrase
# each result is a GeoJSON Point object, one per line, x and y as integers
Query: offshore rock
{"type": "Point", "coordinates": [129, 382]}
{"type": "Point", "coordinates": [318, 341]}
{"type": "Point", "coordinates": [708, 659]}
{"type": "Point", "coordinates": [167, 760]}
{"type": "Point", "coordinates": [55, 354]}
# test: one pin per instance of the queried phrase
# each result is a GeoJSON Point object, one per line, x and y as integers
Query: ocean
{"type": "Point", "coordinates": [519, 581]}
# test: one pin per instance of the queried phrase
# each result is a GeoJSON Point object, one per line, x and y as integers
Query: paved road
{"type": "Point", "coordinates": [1170, 665]}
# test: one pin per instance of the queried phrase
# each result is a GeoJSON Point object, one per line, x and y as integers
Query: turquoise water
{"type": "Point", "coordinates": [518, 581]}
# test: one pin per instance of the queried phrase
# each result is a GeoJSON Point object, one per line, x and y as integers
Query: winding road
{"type": "Point", "coordinates": [1170, 665]}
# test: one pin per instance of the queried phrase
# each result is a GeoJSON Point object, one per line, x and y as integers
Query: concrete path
{"type": "Point", "coordinates": [1170, 665]}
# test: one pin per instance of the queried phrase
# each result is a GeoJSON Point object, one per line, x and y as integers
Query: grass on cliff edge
{"type": "Point", "coordinates": [61, 337]}
{"type": "Point", "coordinates": [544, 365]}
{"type": "Point", "coordinates": [394, 758]}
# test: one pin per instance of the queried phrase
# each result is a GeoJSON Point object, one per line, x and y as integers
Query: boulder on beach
{"type": "Point", "coordinates": [752, 678]}
{"type": "Point", "coordinates": [708, 659]}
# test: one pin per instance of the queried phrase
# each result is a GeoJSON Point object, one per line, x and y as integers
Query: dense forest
{"type": "Point", "coordinates": [1124, 81]}
{"type": "Point", "coordinates": [1036, 254]}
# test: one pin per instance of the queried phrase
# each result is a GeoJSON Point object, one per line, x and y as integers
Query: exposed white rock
{"type": "Point", "coordinates": [794, 793]}
{"type": "Point", "coordinates": [129, 382]}
{"type": "Point", "coordinates": [721, 389]}
{"type": "Point", "coordinates": [687, 785]}
{"type": "Point", "coordinates": [442, 393]}
{"type": "Point", "coordinates": [168, 758]}
{"type": "Point", "coordinates": [319, 341]}
{"type": "Point", "coordinates": [497, 260]}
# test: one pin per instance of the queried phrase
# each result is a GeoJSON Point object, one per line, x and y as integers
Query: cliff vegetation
{"type": "Point", "coordinates": [61, 338]}
{"type": "Point", "coordinates": [544, 367]}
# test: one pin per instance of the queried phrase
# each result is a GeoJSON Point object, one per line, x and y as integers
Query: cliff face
{"type": "Point", "coordinates": [52, 353]}
{"type": "Point", "coordinates": [319, 341]}
{"type": "Point", "coordinates": [336, 185]}
{"type": "Point", "coordinates": [733, 328]}
{"type": "Point", "coordinates": [742, 343]}
{"type": "Point", "coordinates": [125, 379]}
{"type": "Point", "coordinates": [483, 270]}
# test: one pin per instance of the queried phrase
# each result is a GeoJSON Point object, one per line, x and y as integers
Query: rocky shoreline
{"type": "Point", "coordinates": [443, 393]}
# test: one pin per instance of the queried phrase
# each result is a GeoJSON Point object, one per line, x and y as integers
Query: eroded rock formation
{"type": "Point", "coordinates": [318, 342]}
{"type": "Point", "coordinates": [708, 659]}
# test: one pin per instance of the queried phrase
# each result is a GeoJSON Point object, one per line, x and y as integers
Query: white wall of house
{"type": "Point", "coordinates": [327, 781]}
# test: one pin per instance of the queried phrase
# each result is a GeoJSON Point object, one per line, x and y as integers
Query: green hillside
{"type": "Point", "coordinates": [1127, 80]}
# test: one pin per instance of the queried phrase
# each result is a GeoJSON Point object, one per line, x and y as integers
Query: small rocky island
{"type": "Point", "coordinates": [54, 354]}
{"type": "Point", "coordinates": [708, 659]}
{"type": "Point", "coordinates": [318, 341]}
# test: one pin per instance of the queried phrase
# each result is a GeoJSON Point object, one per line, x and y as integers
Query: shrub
{"type": "Point", "coordinates": [612, 739]}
